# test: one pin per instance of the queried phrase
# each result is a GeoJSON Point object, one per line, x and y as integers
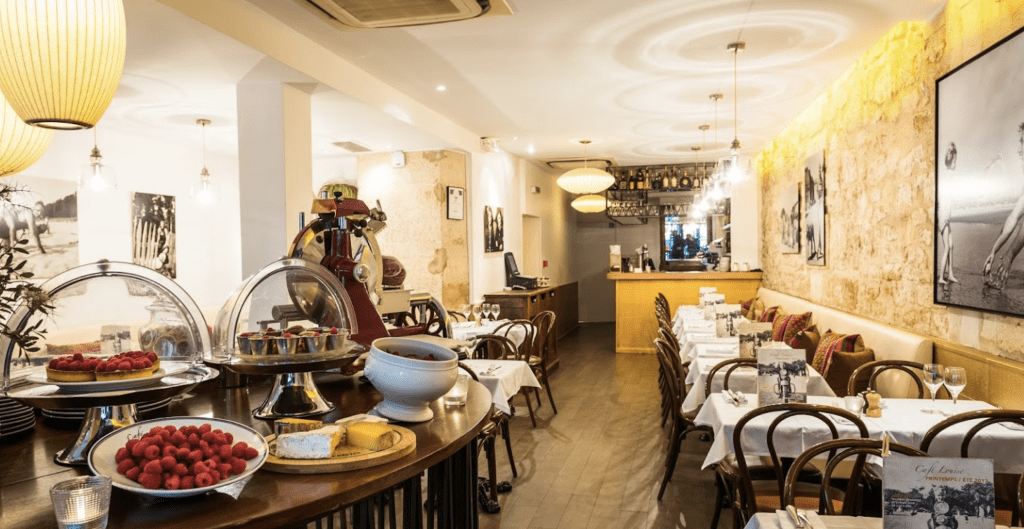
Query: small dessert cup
{"type": "Point", "coordinates": [262, 346]}
{"type": "Point", "coordinates": [243, 343]}
{"type": "Point", "coordinates": [314, 341]}
{"type": "Point", "coordinates": [287, 344]}
{"type": "Point", "coordinates": [335, 337]}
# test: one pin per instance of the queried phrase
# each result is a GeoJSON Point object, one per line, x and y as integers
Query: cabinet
{"type": "Point", "coordinates": [525, 304]}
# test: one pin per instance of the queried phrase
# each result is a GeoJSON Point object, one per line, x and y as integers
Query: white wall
{"type": "Point", "coordinates": [208, 248]}
{"type": "Point", "coordinates": [496, 182]}
{"type": "Point", "coordinates": [557, 223]}
{"type": "Point", "coordinates": [597, 293]}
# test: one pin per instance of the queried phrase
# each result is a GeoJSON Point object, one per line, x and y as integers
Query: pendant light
{"type": "Point", "coordinates": [61, 60]}
{"type": "Point", "coordinates": [589, 204]}
{"type": "Point", "coordinates": [205, 192]}
{"type": "Point", "coordinates": [21, 145]}
{"type": "Point", "coordinates": [736, 167]}
{"type": "Point", "coordinates": [96, 175]}
{"type": "Point", "coordinates": [716, 191]}
{"type": "Point", "coordinates": [585, 180]}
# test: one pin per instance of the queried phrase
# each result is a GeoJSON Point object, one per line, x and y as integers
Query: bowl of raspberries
{"type": "Point", "coordinates": [178, 456]}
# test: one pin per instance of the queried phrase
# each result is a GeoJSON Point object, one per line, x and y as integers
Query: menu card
{"type": "Point", "coordinates": [726, 318]}
{"type": "Point", "coordinates": [703, 292]}
{"type": "Point", "coordinates": [937, 492]}
{"type": "Point", "coordinates": [710, 300]}
{"type": "Point", "coordinates": [781, 376]}
{"type": "Point", "coordinates": [753, 336]}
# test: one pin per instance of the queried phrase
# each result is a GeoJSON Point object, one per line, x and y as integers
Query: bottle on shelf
{"type": "Point", "coordinates": [698, 180]}
{"type": "Point", "coordinates": [674, 180]}
{"type": "Point", "coordinates": [641, 181]}
{"type": "Point", "coordinates": [686, 182]}
{"type": "Point", "coordinates": [665, 180]}
{"type": "Point", "coordinates": [632, 180]}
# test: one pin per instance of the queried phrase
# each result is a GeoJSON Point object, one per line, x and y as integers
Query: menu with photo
{"type": "Point", "coordinates": [703, 293]}
{"type": "Point", "coordinates": [709, 305]}
{"type": "Point", "coordinates": [753, 336]}
{"type": "Point", "coordinates": [781, 376]}
{"type": "Point", "coordinates": [726, 319]}
{"type": "Point", "coordinates": [937, 492]}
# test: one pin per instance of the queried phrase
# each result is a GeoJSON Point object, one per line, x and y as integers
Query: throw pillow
{"type": "Point", "coordinates": [756, 310]}
{"type": "Point", "coordinates": [745, 306]}
{"type": "Point", "coordinates": [843, 365]}
{"type": "Point", "coordinates": [784, 328]}
{"type": "Point", "coordinates": [830, 344]}
{"type": "Point", "coordinates": [769, 315]}
{"type": "Point", "coordinates": [807, 340]}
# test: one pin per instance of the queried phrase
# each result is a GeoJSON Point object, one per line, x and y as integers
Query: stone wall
{"type": "Point", "coordinates": [876, 126]}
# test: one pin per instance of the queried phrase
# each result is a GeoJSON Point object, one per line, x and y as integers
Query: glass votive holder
{"type": "Point", "coordinates": [82, 503]}
{"type": "Point", "coordinates": [457, 395]}
{"type": "Point", "coordinates": [854, 404]}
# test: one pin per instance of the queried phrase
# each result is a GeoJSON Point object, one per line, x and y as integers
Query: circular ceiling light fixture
{"type": "Point", "coordinates": [61, 60]}
{"type": "Point", "coordinates": [585, 180]}
{"type": "Point", "coordinates": [589, 204]}
{"type": "Point", "coordinates": [21, 145]}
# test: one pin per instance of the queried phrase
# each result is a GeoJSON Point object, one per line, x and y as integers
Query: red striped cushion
{"type": "Point", "coordinates": [768, 316]}
{"type": "Point", "coordinates": [830, 344]}
{"type": "Point", "coordinates": [785, 329]}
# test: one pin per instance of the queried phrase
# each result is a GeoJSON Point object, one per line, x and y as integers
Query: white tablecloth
{"type": "Point", "coordinates": [468, 330]}
{"type": "Point", "coordinates": [902, 419]}
{"type": "Point", "coordinates": [505, 380]}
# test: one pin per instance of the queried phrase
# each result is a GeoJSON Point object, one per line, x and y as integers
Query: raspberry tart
{"type": "Point", "coordinates": [133, 364]}
{"type": "Point", "coordinates": [73, 368]}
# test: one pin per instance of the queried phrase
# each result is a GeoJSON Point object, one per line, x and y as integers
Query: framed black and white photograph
{"type": "Point", "coordinates": [814, 207]}
{"type": "Point", "coordinates": [979, 182]}
{"type": "Point", "coordinates": [781, 376]}
{"type": "Point", "coordinates": [43, 211]}
{"type": "Point", "coordinates": [494, 229]}
{"type": "Point", "coordinates": [456, 203]}
{"type": "Point", "coordinates": [789, 219]}
{"type": "Point", "coordinates": [153, 233]}
{"type": "Point", "coordinates": [935, 492]}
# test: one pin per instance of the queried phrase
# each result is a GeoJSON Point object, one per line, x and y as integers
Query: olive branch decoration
{"type": "Point", "coordinates": [15, 286]}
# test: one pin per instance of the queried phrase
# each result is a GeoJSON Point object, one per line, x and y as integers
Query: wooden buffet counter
{"type": "Point", "coordinates": [635, 323]}
{"type": "Point", "coordinates": [269, 499]}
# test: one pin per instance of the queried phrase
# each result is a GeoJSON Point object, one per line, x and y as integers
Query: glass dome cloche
{"type": "Point", "coordinates": [104, 309]}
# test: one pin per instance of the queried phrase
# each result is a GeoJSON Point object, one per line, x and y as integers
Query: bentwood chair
{"type": "Point", "coordinates": [758, 494]}
{"type": "Point", "coordinates": [839, 450]}
{"type": "Point", "coordinates": [488, 495]}
{"type": "Point", "coordinates": [1008, 509]}
{"type": "Point", "coordinates": [498, 347]}
{"type": "Point", "coordinates": [681, 423]}
{"type": "Point", "coordinates": [878, 367]}
{"type": "Point", "coordinates": [544, 348]}
{"type": "Point", "coordinates": [666, 406]}
{"type": "Point", "coordinates": [457, 316]}
{"type": "Point", "coordinates": [730, 366]}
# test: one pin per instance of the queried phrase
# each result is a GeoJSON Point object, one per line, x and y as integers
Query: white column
{"type": "Point", "coordinates": [275, 169]}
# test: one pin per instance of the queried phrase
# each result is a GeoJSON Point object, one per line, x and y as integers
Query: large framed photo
{"type": "Point", "coordinates": [814, 208]}
{"type": "Point", "coordinates": [153, 233]}
{"type": "Point", "coordinates": [456, 203]}
{"type": "Point", "coordinates": [979, 181]}
{"type": "Point", "coordinates": [789, 219]}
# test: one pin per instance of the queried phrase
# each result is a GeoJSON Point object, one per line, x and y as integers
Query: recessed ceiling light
{"type": "Point", "coordinates": [441, 88]}
{"type": "Point", "coordinates": [531, 149]}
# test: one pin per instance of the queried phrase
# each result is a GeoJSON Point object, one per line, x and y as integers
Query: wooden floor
{"type": "Point", "coordinates": [598, 463]}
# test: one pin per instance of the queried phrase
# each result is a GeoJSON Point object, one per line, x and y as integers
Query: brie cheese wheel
{"type": "Point", "coordinates": [314, 444]}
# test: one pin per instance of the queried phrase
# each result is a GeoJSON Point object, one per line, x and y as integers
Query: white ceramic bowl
{"type": "Point", "coordinates": [409, 385]}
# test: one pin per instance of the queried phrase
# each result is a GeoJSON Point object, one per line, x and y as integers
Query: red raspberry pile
{"type": "Point", "coordinates": [182, 458]}
{"type": "Point", "coordinates": [75, 362]}
{"type": "Point", "coordinates": [128, 361]}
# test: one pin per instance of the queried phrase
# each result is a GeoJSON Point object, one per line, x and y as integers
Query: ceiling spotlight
{"type": "Point", "coordinates": [441, 88]}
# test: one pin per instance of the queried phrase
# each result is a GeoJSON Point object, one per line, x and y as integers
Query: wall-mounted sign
{"type": "Point", "coordinates": [456, 203]}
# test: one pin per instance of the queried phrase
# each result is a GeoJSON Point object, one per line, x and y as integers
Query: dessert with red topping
{"type": "Point", "coordinates": [73, 368]}
{"type": "Point", "coordinates": [132, 364]}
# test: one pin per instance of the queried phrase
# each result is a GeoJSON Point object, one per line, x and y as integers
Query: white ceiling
{"type": "Point", "coordinates": [633, 76]}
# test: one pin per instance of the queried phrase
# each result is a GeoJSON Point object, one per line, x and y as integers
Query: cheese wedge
{"type": "Point", "coordinates": [370, 435]}
{"type": "Point", "coordinates": [314, 444]}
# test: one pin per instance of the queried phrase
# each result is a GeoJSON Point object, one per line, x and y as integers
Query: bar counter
{"type": "Point", "coordinates": [635, 323]}
{"type": "Point", "coordinates": [269, 499]}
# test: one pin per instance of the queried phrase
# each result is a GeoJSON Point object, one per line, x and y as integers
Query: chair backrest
{"type": "Point", "coordinates": [494, 347]}
{"type": "Point", "coordinates": [469, 370]}
{"type": "Point", "coordinates": [730, 366]}
{"type": "Point", "coordinates": [670, 337]}
{"type": "Point", "coordinates": [673, 375]}
{"type": "Point", "coordinates": [748, 503]}
{"type": "Point", "coordinates": [527, 347]}
{"type": "Point", "coordinates": [841, 449]}
{"type": "Point", "coordinates": [546, 335]}
{"type": "Point", "coordinates": [877, 367]}
{"type": "Point", "coordinates": [457, 316]}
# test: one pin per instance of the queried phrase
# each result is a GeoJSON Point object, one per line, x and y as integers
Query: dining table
{"type": "Point", "coordinates": [504, 379]}
{"type": "Point", "coordinates": [904, 420]}
{"type": "Point", "coordinates": [468, 330]}
{"type": "Point", "coordinates": [782, 520]}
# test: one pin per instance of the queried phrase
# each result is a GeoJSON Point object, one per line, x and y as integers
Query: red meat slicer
{"type": "Point", "coordinates": [342, 239]}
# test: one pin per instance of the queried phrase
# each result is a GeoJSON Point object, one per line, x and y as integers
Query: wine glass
{"type": "Point", "coordinates": [477, 309]}
{"type": "Point", "coordinates": [932, 376]}
{"type": "Point", "coordinates": [955, 380]}
{"type": "Point", "coordinates": [487, 311]}
{"type": "Point", "coordinates": [495, 310]}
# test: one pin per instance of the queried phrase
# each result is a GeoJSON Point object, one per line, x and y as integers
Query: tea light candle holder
{"type": "Point", "coordinates": [457, 395]}
{"type": "Point", "coordinates": [82, 503]}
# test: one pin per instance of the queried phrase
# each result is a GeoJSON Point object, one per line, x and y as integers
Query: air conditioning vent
{"type": "Point", "coordinates": [351, 146]}
{"type": "Point", "coordinates": [566, 164]}
{"type": "Point", "coordinates": [394, 13]}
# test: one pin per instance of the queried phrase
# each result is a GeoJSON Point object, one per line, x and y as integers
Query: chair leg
{"type": "Point", "coordinates": [508, 447]}
{"type": "Point", "coordinates": [673, 455]}
{"type": "Point", "coordinates": [489, 502]}
{"type": "Point", "coordinates": [536, 394]}
{"type": "Point", "coordinates": [529, 407]}
{"type": "Point", "coordinates": [547, 388]}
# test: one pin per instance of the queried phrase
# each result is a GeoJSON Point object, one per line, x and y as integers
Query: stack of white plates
{"type": "Point", "coordinates": [15, 418]}
{"type": "Point", "coordinates": [77, 414]}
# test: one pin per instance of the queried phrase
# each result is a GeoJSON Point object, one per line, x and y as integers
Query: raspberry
{"type": "Point", "coordinates": [219, 438]}
{"type": "Point", "coordinates": [205, 428]}
{"type": "Point", "coordinates": [193, 440]}
{"type": "Point", "coordinates": [172, 483]}
{"type": "Point", "coordinates": [125, 465]}
{"type": "Point", "coordinates": [182, 453]}
{"type": "Point", "coordinates": [137, 364]}
{"type": "Point", "coordinates": [169, 450]}
{"type": "Point", "coordinates": [171, 428]}
{"type": "Point", "coordinates": [224, 452]}
{"type": "Point", "coordinates": [152, 452]}
{"type": "Point", "coordinates": [251, 453]}
{"type": "Point", "coordinates": [228, 438]}
{"type": "Point", "coordinates": [224, 470]}
{"type": "Point", "coordinates": [177, 438]}
{"type": "Point", "coordinates": [53, 363]}
{"type": "Point", "coordinates": [208, 437]}
{"type": "Point", "coordinates": [204, 480]}
{"type": "Point", "coordinates": [131, 443]}
{"type": "Point", "coordinates": [150, 481]}
{"type": "Point", "coordinates": [153, 467]}
{"type": "Point", "coordinates": [111, 367]}
{"type": "Point", "coordinates": [238, 466]}
{"type": "Point", "coordinates": [151, 356]}
{"type": "Point", "coordinates": [124, 366]}
{"type": "Point", "coordinates": [288, 335]}
{"type": "Point", "coordinates": [215, 475]}
{"type": "Point", "coordinates": [316, 335]}
{"type": "Point", "coordinates": [138, 448]}
{"type": "Point", "coordinates": [92, 363]}
{"type": "Point", "coordinates": [133, 473]}
{"type": "Point", "coordinates": [212, 462]}
{"type": "Point", "coordinates": [168, 462]}
{"type": "Point", "coordinates": [155, 430]}
{"type": "Point", "coordinates": [122, 454]}
{"type": "Point", "coordinates": [198, 468]}
{"type": "Point", "coordinates": [195, 456]}
{"type": "Point", "coordinates": [334, 330]}
{"type": "Point", "coordinates": [146, 364]}
{"type": "Point", "coordinates": [269, 329]}
{"type": "Point", "coordinates": [188, 482]}
{"type": "Point", "coordinates": [165, 436]}
{"type": "Point", "coordinates": [78, 357]}
{"type": "Point", "coordinates": [180, 470]}
{"type": "Point", "coordinates": [239, 449]}
{"type": "Point", "coordinates": [63, 365]}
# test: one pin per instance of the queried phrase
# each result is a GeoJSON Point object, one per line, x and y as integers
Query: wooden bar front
{"type": "Point", "coordinates": [635, 323]}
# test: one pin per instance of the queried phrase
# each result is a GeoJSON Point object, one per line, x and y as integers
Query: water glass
{"type": "Point", "coordinates": [854, 404]}
{"type": "Point", "coordinates": [495, 310]}
{"type": "Point", "coordinates": [82, 503]}
{"type": "Point", "coordinates": [486, 308]}
{"type": "Point", "coordinates": [477, 309]}
{"type": "Point", "coordinates": [955, 381]}
{"type": "Point", "coordinates": [457, 395]}
{"type": "Point", "coordinates": [932, 376]}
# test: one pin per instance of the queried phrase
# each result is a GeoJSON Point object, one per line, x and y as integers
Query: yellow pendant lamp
{"type": "Point", "coordinates": [589, 204]}
{"type": "Point", "coordinates": [61, 60]}
{"type": "Point", "coordinates": [20, 144]}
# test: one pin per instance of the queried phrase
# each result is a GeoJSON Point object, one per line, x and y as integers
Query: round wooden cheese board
{"type": "Point", "coordinates": [354, 458]}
